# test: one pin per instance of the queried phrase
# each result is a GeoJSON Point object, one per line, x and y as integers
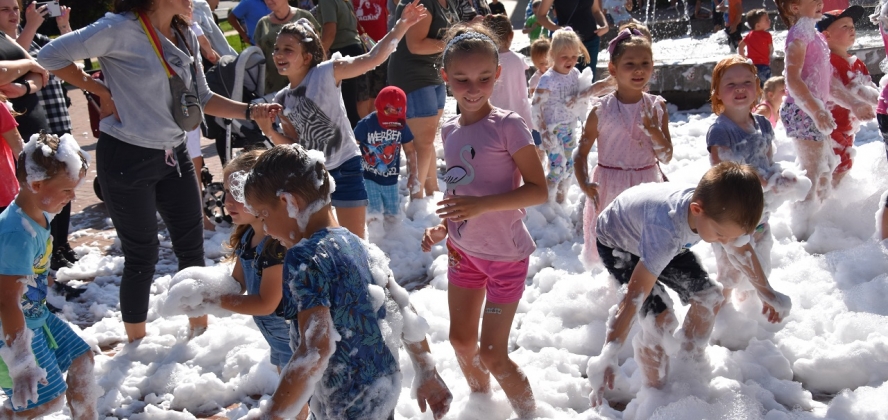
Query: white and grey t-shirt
{"type": "Point", "coordinates": [650, 221]}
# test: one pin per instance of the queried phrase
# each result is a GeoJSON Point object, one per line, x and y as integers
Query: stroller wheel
{"type": "Point", "coordinates": [97, 189]}
{"type": "Point", "coordinates": [214, 204]}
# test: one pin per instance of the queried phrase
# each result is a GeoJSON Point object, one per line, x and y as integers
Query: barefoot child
{"type": "Point", "coordinates": [745, 138]}
{"type": "Point", "coordinates": [340, 360]}
{"type": "Point", "coordinates": [643, 241]}
{"type": "Point", "coordinates": [38, 347]}
{"type": "Point", "coordinates": [757, 45]}
{"type": "Point", "coordinates": [859, 93]}
{"type": "Point", "coordinates": [381, 135]}
{"type": "Point", "coordinates": [773, 92]}
{"type": "Point", "coordinates": [553, 116]}
{"type": "Point", "coordinates": [489, 152]}
{"type": "Point", "coordinates": [804, 114]}
{"type": "Point", "coordinates": [632, 130]}
{"type": "Point", "coordinates": [314, 113]}
{"type": "Point", "coordinates": [258, 264]}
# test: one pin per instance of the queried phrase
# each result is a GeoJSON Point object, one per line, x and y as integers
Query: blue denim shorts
{"type": "Point", "coordinates": [349, 178]}
{"type": "Point", "coordinates": [537, 138]}
{"type": "Point", "coordinates": [426, 102]}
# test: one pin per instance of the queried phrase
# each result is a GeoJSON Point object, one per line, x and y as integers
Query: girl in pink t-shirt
{"type": "Point", "coordinates": [489, 152]}
{"type": "Point", "coordinates": [804, 114]}
{"type": "Point", "coordinates": [10, 148]}
{"type": "Point", "coordinates": [631, 127]}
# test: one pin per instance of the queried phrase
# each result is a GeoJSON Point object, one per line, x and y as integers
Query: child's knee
{"type": "Point", "coordinates": [82, 365]}
{"type": "Point", "coordinates": [709, 298]}
{"type": "Point", "coordinates": [462, 344]}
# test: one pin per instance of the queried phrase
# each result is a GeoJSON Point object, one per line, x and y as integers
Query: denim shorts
{"type": "Point", "coordinates": [350, 190]}
{"type": "Point", "coordinates": [426, 102]}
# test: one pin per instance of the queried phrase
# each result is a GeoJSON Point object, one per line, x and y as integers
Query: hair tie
{"type": "Point", "coordinates": [567, 28]}
{"type": "Point", "coordinates": [308, 26]}
{"type": "Point", "coordinates": [470, 35]}
{"type": "Point", "coordinates": [622, 36]}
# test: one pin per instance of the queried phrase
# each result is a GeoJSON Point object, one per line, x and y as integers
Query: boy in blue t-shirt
{"type": "Point", "coordinates": [340, 360]}
{"type": "Point", "coordinates": [39, 347]}
{"type": "Point", "coordinates": [381, 135]}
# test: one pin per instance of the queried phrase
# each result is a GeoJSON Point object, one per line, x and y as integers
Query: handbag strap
{"type": "Point", "coordinates": [351, 7]}
{"type": "Point", "coordinates": [155, 43]}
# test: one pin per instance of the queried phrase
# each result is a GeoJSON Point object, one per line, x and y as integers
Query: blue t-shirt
{"type": "Point", "coordinates": [331, 269]}
{"type": "Point", "coordinates": [25, 247]}
{"type": "Point", "coordinates": [381, 149]}
{"type": "Point", "coordinates": [742, 147]}
{"type": "Point", "coordinates": [250, 11]}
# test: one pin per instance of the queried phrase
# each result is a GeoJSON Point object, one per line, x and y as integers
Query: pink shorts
{"type": "Point", "coordinates": [504, 280]}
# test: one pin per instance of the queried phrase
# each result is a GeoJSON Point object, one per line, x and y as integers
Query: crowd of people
{"type": "Point", "coordinates": [351, 89]}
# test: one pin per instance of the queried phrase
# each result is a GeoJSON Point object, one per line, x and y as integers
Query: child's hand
{"type": "Point", "coordinates": [413, 184]}
{"type": "Point", "coordinates": [601, 370]}
{"type": "Point", "coordinates": [24, 384]}
{"type": "Point", "coordinates": [775, 306]}
{"type": "Point", "coordinates": [863, 111]}
{"type": "Point", "coordinates": [591, 191]}
{"type": "Point", "coordinates": [433, 391]}
{"type": "Point", "coordinates": [824, 121]}
{"type": "Point", "coordinates": [412, 13]}
{"type": "Point", "coordinates": [432, 236]}
{"type": "Point", "coordinates": [460, 208]}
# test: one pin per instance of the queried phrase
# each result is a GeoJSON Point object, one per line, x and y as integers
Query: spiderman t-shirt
{"type": "Point", "coordinates": [479, 163]}
{"type": "Point", "coordinates": [381, 149]}
{"type": "Point", "coordinates": [316, 112]}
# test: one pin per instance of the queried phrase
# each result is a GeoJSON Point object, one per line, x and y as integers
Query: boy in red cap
{"type": "Point", "coordinates": [854, 95]}
{"type": "Point", "coordinates": [381, 136]}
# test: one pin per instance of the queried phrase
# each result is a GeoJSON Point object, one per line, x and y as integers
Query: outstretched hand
{"type": "Point", "coordinates": [596, 397]}
{"type": "Point", "coordinates": [434, 393]}
{"type": "Point", "coordinates": [432, 236]}
{"type": "Point", "coordinates": [413, 12]}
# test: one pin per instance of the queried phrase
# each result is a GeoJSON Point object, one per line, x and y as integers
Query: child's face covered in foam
{"type": "Point", "coordinates": [56, 192]}
{"type": "Point", "coordinates": [278, 221]}
{"type": "Point", "coordinates": [711, 231]}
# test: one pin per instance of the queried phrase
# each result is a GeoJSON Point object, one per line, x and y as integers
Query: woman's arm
{"type": "Point", "coordinates": [534, 191]}
{"type": "Point", "coordinates": [348, 68]}
{"type": "Point", "coordinates": [79, 79]}
{"type": "Point", "coordinates": [235, 24]}
{"type": "Point", "coordinates": [542, 15]}
{"type": "Point", "coordinates": [10, 70]}
{"type": "Point", "coordinates": [221, 106]}
{"type": "Point", "coordinates": [600, 19]}
{"type": "Point", "coordinates": [268, 299]}
{"type": "Point", "coordinates": [417, 39]}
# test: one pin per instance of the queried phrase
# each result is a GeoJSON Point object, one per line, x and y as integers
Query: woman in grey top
{"type": "Point", "coordinates": [143, 166]}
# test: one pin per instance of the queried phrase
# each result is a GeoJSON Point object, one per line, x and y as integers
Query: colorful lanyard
{"type": "Point", "coordinates": [155, 43]}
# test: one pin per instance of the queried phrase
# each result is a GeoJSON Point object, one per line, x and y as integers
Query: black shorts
{"type": "Point", "coordinates": [683, 274]}
{"type": "Point", "coordinates": [882, 119]}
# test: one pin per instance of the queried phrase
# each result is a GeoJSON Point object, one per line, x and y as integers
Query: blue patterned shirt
{"type": "Point", "coordinates": [331, 269]}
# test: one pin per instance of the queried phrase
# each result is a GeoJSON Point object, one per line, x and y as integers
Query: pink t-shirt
{"type": "Point", "coordinates": [479, 163]}
{"type": "Point", "coordinates": [9, 186]}
{"type": "Point", "coordinates": [882, 107]}
{"type": "Point", "coordinates": [816, 70]}
{"type": "Point", "coordinates": [510, 90]}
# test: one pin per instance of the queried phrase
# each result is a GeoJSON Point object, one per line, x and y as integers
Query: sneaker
{"type": "Point", "coordinates": [58, 261]}
{"type": "Point", "coordinates": [68, 253]}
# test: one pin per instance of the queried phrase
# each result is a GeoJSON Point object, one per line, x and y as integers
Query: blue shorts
{"type": "Point", "coordinates": [537, 138]}
{"type": "Point", "coordinates": [276, 331]}
{"type": "Point", "coordinates": [349, 178]}
{"type": "Point", "coordinates": [426, 102]}
{"type": "Point", "coordinates": [56, 361]}
{"type": "Point", "coordinates": [384, 199]}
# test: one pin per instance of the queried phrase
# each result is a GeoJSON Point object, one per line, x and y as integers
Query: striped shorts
{"type": "Point", "coordinates": [68, 346]}
{"type": "Point", "coordinates": [384, 199]}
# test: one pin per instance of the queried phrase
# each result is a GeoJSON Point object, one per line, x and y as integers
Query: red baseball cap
{"type": "Point", "coordinates": [391, 107]}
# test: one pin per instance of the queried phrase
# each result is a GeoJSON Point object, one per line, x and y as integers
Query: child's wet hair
{"type": "Point", "coordinates": [288, 169]}
{"type": "Point", "coordinates": [754, 16]}
{"type": "Point", "coordinates": [305, 33]}
{"type": "Point", "coordinates": [731, 192]}
{"type": "Point", "coordinates": [563, 39]}
{"type": "Point", "coordinates": [772, 83]}
{"type": "Point", "coordinates": [719, 71]}
{"type": "Point", "coordinates": [501, 28]}
{"type": "Point", "coordinates": [785, 14]}
{"type": "Point", "coordinates": [469, 38]}
{"type": "Point", "coordinates": [629, 37]}
{"type": "Point", "coordinates": [43, 159]}
{"type": "Point", "coordinates": [540, 48]}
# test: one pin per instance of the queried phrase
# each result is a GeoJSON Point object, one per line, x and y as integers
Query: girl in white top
{"type": "Point", "coordinates": [314, 114]}
{"type": "Point", "coordinates": [508, 93]}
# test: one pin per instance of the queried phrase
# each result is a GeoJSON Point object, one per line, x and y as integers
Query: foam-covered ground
{"type": "Point", "coordinates": [826, 360]}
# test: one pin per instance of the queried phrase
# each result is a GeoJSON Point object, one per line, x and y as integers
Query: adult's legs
{"type": "Point", "coordinates": [592, 45]}
{"type": "Point", "coordinates": [424, 130]}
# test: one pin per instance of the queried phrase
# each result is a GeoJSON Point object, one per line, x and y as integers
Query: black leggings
{"type": "Point", "coordinates": [137, 183]}
{"type": "Point", "coordinates": [350, 86]}
{"type": "Point", "coordinates": [59, 228]}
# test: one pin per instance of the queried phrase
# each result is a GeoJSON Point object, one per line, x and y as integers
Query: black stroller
{"type": "Point", "coordinates": [240, 78]}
